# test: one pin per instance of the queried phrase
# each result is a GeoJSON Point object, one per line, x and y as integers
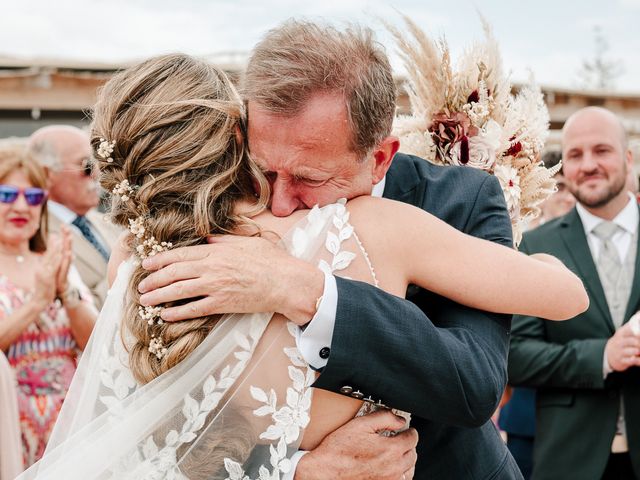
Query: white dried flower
{"type": "Point", "coordinates": [105, 149]}
{"type": "Point", "coordinates": [124, 190]}
{"type": "Point", "coordinates": [136, 227]}
{"type": "Point", "coordinates": [150, 314]}
{"type": "Point", "coordinates": [510, 183]}
{"type": "Point", "coordinates": [156, 347]}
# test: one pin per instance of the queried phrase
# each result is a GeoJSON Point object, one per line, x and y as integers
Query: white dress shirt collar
{"type": "Point", "coordinates": [627, 219]}
{"type": "Point", "coordinates": [61, 212]}
{"type": "Point", "coordinates": [378, 188]}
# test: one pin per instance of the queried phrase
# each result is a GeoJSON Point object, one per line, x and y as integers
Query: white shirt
{"type": "Point", "coordinates": [627, 220]}
{"type": "Point", "coordinates": [319, 331]}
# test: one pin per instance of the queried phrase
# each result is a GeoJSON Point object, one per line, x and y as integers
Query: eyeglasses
{"type": "Point", "coordinates": [34, 196]}
{"type": "Point", "coordinates": [87, 167]}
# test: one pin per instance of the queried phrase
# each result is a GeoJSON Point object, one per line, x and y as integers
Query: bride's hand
{"type": "Point", "coordinates": [232, 274]}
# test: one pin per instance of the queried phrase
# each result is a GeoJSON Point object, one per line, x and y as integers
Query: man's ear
{"type": "Point", "coordinates": [383, 156]}
{"type": "Point", "coordinates": [239, 135]}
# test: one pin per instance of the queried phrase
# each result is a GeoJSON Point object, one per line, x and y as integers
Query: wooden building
{"type": "Point", "coordinates": [34, 93]}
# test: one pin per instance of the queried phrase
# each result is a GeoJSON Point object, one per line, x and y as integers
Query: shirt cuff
{"type": "Point", "coordinates": [606, 368]}
{"type": "Point", "coordinates": [314, 342]}
{"type": "Point", "coordinates": [290, 475]}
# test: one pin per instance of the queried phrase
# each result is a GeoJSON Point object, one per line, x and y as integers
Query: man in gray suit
{"type": "Point", "coordinates": [73, 197]}
{"type": "Point", "coordinates": [586, 369]}
{"type": "Point", "coordinates": [320, 107]}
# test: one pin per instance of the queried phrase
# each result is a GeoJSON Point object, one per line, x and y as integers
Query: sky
{"type": "Point", "coordinates": [549, 38]}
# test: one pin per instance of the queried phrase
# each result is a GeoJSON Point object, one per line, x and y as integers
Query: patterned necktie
{"type": "Point", "coordinates": [610, 266]}
{"type": "Point", "coordinates": [84, 226]}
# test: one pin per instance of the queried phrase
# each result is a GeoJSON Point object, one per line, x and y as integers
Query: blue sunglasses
{"type": "Point", "coordinates": [34, 196]}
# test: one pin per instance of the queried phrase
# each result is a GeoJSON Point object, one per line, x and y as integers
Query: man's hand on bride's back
{"type": "Point", "coordinates": [232, 274]}
{"type": "Point", "coordinates": [357, 451]}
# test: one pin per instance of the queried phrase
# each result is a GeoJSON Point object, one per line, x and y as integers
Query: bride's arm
{"type": "Point", "coordinates": [468, 270]}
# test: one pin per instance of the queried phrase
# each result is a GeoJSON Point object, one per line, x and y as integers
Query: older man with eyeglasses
{"type": "Point", "coordinates": [73, 198]}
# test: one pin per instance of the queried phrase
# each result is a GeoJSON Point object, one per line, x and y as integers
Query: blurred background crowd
{"type": "Point", "coordinates": [52, 287]}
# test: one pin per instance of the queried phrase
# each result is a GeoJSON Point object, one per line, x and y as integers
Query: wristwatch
{"type": "Point", "coordinates": [70, 298]}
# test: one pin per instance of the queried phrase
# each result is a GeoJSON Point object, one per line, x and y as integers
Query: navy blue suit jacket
{"type": "Point", "coordinates": [444, 363]}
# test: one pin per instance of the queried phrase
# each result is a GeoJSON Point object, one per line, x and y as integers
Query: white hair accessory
{"type": "Point", "coordinates": [156, 346]}
{"type": "Point", "coordinates": [105, 149]}
{"type": "Point", "coordinates": [124, 190]}
{"type": "Point", "coordinates": [150, 314]}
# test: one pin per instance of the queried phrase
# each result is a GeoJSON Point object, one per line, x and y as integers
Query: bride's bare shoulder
{"type": "Point", "coordinates": [374, 212]}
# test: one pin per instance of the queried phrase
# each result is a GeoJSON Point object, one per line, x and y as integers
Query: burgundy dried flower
{"type": "Point", "coordinates": [514, 149]}
{"type": "Point", "coordinates": [447, 129]}
{"type": "Point", "coordinates": [474, 97]}
{"type": "Point", "coordinates": [464, 150]}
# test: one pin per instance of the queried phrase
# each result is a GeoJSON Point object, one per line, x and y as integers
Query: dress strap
{"type": "Point", "coordinates": [366, 257]}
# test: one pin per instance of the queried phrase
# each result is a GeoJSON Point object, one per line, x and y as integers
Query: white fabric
{"type": "Point", "coordinates": [295, 459]}
{"type": "Point", "coordinates": [378, 188]}
{"type": "Point", "coordinates": [66, 216]}
{"type": "Point", "coordinates": [319, 331]}
{"type": "Point", "coordinates": [10, 439]}
{"type": "Point", "coordinates": [245, 382]}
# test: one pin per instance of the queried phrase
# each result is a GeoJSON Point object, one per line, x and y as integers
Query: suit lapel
{"type": "Point", "coordinates": [404, 183]}
{"type": "Point", "coordinates": [575, 241]}
{"type": "Point", "coordinates": [634, 297]}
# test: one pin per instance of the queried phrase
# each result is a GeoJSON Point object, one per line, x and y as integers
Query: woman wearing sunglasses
{"type": "Point", "coordinates": [46, 312]}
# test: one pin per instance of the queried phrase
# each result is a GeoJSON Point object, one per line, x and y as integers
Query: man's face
{"type": "Point", "coordinates": [71, 183]}
{"type": "Point", "coordinates": [594, 161]}
{"type": "Point", "coordinates": [307, 158]}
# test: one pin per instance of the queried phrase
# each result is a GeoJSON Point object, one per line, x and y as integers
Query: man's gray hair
{"type": "Point", "coordinates": [300, 58]}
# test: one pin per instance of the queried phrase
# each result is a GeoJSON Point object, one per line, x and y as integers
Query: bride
{"type": "Point", "coordinates": [229, 396]}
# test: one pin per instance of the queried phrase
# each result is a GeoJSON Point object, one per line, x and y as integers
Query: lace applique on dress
{"type": "Point", "coordinates": [341, 260]}
{"type": "Point", "coordinates": [289, 419]}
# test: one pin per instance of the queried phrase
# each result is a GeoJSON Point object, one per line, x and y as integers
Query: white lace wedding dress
{"type": "Point", "coordinates": [234, 409]}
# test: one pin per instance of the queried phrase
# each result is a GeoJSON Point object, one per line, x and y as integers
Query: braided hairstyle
{"type": "Point", "coordinates": [176, 124]}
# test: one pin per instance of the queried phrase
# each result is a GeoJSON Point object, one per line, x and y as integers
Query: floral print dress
{"type": "Point", "coordinates": [44, 358]}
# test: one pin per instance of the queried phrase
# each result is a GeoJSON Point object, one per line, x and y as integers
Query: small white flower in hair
{"type": "Point", "coordinates": [136, 227]}
{"type": "Point", "coordinates": [156, 347]}
{"type": "Point", "coordinates": [105, 149]}
{"type": "Point", "coordinates": [150, 314]}
{"type": "Point", "coordinates": [124, 190]}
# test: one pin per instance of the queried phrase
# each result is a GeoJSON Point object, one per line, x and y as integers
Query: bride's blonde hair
{"type": "Point", "coordinates": [176, 124]}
